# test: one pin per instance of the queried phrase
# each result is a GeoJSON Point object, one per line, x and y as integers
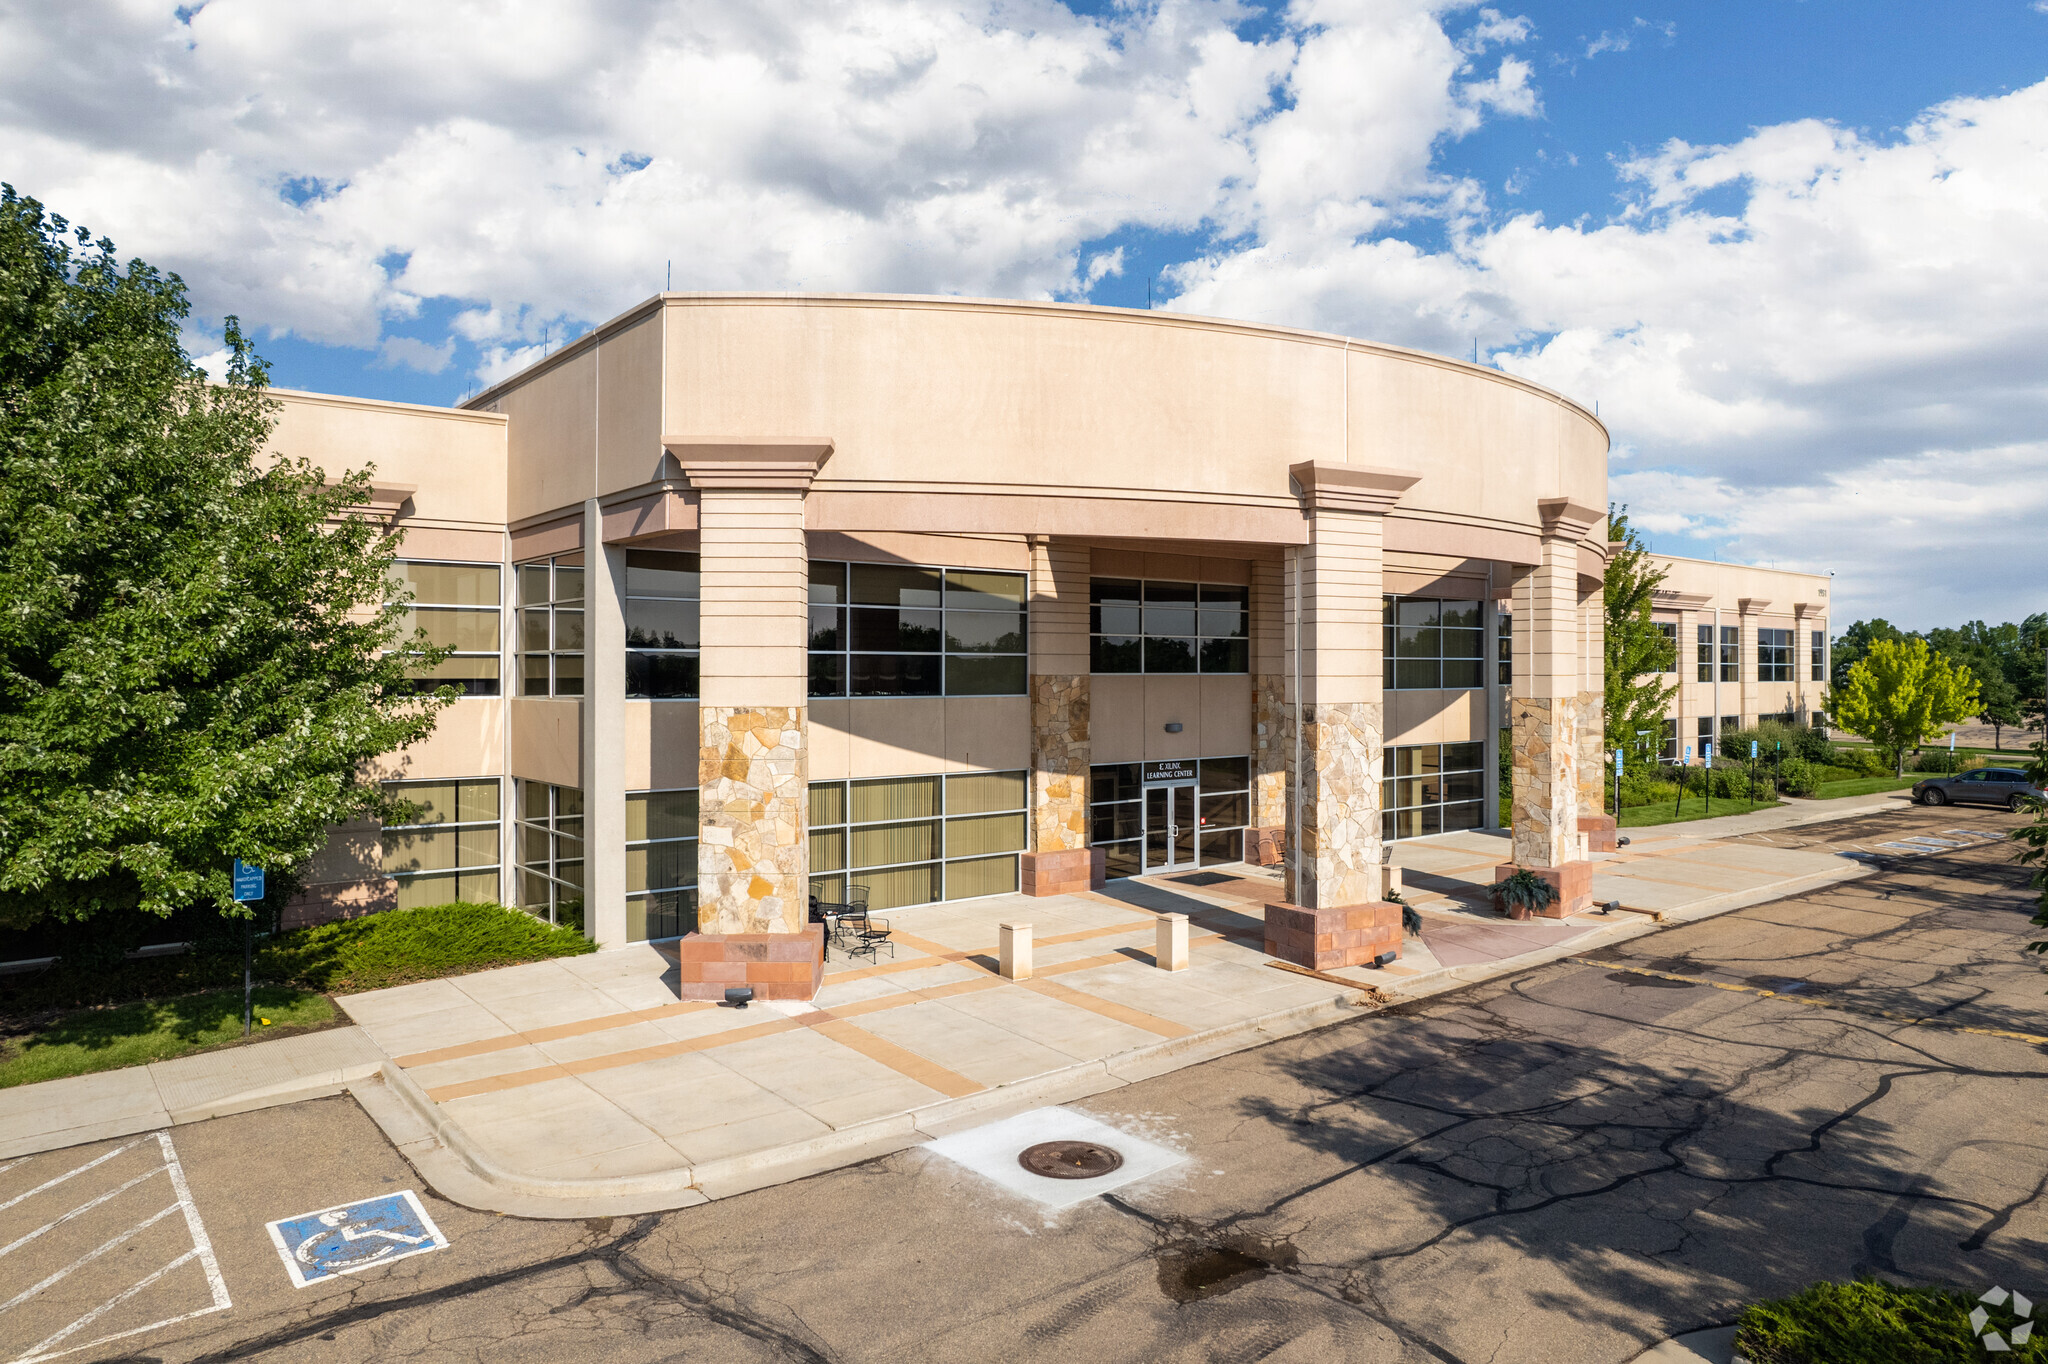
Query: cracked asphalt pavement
{"type": "Point", "coordinates": [1568, 1164]}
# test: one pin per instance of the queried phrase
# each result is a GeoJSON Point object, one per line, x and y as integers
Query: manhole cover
{"type": "Point", "coordinates": [1069, 1159]}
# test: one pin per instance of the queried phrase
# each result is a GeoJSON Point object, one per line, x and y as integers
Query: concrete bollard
{"type": "Point", "coordinates": [1170, 952]}
{"type": "Point", "coordinates": [1390, 882]}
{"type": "Point", "coordinates": [1016, 952]}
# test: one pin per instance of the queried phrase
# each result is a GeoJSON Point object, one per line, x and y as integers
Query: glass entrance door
{"type": "Point", "coordinates": [1169, 826]}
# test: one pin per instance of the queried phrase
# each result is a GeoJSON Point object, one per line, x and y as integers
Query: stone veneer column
{"type": "Point", "coordinates": [1595, 788]}
{"type": "Point", "coordinates": [1059, 861]}
{"type": "Point", "coordinates": [1266, 839]}
{"type": "Point", "coordinates": [1547, 711]}
{"type": "Point", "coordinates": [1334, 915]}
{"type": "Point", "coordinates": [604, 734]}
{"type": "Point", "coordinates": [753, 863]}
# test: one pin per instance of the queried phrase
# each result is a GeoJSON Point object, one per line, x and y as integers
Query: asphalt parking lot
{"type": "Point", "coordinates": [1570, 1163]}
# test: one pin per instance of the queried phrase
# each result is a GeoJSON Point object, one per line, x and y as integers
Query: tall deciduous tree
{"type": "Point", "coordinates": [1900, 694]}
{"type": "Point", "coordinates": [193, 646]}
{"type": "Point", "coordinates": [1998, 705]}
{"type": "Point", "coordinates": [1851, 646]}
{"type": "Point", "coordinates": [1639, 656]}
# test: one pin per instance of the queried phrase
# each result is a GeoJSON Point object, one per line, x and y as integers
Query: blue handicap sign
{"type": "Point", "coordinates": [1752, 749]}
{"type": "Point", "coordinates": [1618, 762]}
{"type": "Point", "coordinates": [356, 1236]}
{"type": "Point", "coordinates": [248, 882]}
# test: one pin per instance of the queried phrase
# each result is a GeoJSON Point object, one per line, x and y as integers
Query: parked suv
{"type": "Point", "coordinates": [2007, 786]}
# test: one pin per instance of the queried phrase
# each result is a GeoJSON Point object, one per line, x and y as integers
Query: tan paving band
{"type": "Point", "coordinates": [1122, 1013]}
{"type": "Point", "coordinates": [1839, 1006]}
{"type": "Point", "coordinates": [552, 1034]}
{"type": "Point", "coordinates": [904, 1062]}
{"type": "Point", "coordinates": [568, 1069]}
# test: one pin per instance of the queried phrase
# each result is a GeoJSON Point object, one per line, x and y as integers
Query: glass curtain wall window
{"type": "Point", "coordinates": [551, 626]}
{"type": "Point", "coordinates": [661, 864]}
{"type": "Point", "coordinates": [1116, 813]}
{"type": "Point", "coordinates": [1670, 749]}
{"type": "Point", "coordinates": [1432, 644]}
{"type": "Point", "coordinates": [1670, 633]}
{"type": "Point", "coordinates": [1774, 655]}
{"type": "Point", "coordinates": [458, 606]}
{"type": "Point", "coordinates": [1820, 655]}
{"type": "Point", "coordinates": [903, 630]}
{"type": "Point", "coordinates": [1706, 735]}
{"type": "Point", "coordinates": [1432, 789]}
{"type": "Point", "coordinates": [551, 853]}
{"type": "Point", "coordinates": [1729, 724]}
{"type": "Point", "coordinates": [449, 851]}
{"type": "Point", "coordinates": [1149, 625]}
{"type": "Point", "coordinates": [1731, 653]}
{"type": "Point", "coordinates": [916, 840]}
{"type": "Point", "coordinates": [1706, 653]}
{"type": "Point", "coordinates": [1505, 632]}
{"type": "Point", "coordinates": [661, 624]}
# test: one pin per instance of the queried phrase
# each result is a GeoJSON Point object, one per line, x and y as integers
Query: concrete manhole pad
{"type": "Point", "coordinates": [995, 1151]}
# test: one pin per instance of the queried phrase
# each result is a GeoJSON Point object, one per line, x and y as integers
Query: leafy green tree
{"type": "Point", "coordinates": [2034, 838]}
{"type": "Point", "coordinates": [1854, 643]}
{"type": "Point", "coordinates": [196, 652]}
{"type": "Point", "coordinates": [1639, 656]}
{"type": "Point", "coordinates": [1901, 694]}
{"type": "Point", "coordinates": [1999, 705]}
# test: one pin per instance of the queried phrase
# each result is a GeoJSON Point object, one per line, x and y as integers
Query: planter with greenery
{"type": "Point", "coordinates": [1522, 893]}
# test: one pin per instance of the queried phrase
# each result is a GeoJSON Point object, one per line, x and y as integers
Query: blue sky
{"type": "Point", "coordinates": [1794, 251]}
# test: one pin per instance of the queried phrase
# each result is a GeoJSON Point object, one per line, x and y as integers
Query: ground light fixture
{"type": "Point", "coordinates": [1383, 960]}
{"type": "Point", "coordinates": [738, 996]}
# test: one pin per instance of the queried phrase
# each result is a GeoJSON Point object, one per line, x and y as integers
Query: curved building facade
{"type": "Point", "coordinates": [764, 597]}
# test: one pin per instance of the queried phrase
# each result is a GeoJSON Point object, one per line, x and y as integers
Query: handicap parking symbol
{"type": "Point", "coordinates": [354, 1236]}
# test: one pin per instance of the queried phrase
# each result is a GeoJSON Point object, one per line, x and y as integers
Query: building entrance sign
{"type": "Point", "coordinates": [1173, 769]}
{"type": "Point", "coordinates": [1170, 825]}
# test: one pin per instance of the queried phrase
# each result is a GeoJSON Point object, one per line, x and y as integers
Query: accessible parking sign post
{"type": "Point", "coordinates": [248, 890]}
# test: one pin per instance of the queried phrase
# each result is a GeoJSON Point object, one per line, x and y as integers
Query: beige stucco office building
{"type": "Point", "coordinates": [1750, 644]}
{"type": "Point", "coordinates": [763, 596]}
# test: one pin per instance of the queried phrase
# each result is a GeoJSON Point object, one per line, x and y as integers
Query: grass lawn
{"type": "Point", "coordinates": [1692, 807]}
{"type": "Point", "coordinates": [1865, 786]}
{"type": "Point", "coordinates": [1875, 1323]}
{"type": "Point", "coordinates": [152, 1030]}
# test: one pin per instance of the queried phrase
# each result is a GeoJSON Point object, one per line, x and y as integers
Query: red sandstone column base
{"type": "Point", "coordinates": [777, 965]}
{"type": "Point", "coordinates": [1573, 883]}
{"type": "Point", "coordinates": [1600, 832]}
{"type": "Point", "coordinates": [1059, 873]}
{"type": "Point", "coordinates": [1323, 939]}
{"type": "Point", "coordinates": [1265, 847]}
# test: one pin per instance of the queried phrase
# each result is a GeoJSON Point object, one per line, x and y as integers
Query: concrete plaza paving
{"type": "Point", "coordinates": [586, 1085]}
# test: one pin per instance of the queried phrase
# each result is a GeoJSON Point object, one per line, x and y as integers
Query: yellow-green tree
{"type": "Point", "coordinates": [1900, 694]}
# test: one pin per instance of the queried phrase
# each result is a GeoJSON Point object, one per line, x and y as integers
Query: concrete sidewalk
{"type": "Point", "coordinates": [584, 1086]}
{"type": "Point", "coordinates": [117, 1103]}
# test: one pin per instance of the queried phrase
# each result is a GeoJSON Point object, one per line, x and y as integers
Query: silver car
{"type": "Point", "coordinates": [2007, 786]}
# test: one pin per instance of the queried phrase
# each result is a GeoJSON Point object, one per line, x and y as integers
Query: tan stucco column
{"type": "Point", "coordinates": [1059, 861]}
{"type": "Point", "coordinates": [1750, 668]}
{"type": "Point", "coordinates": [1547, 710]}
{"type": "Point", "coordinates": [1330, 599]}
{"type": "Point", "coordinates": [1266, 839]}
{"type": "Point", "coordinates": [753, 865]}
{"type": "Point", "coordinates": [604, 734]}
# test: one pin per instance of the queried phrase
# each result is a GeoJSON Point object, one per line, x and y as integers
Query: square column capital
{"type": "Point", "coordinates": [1565, 518]}
{"type": "Point", "coordinates": [1349, 487]}
{"type": "Point", "coordinates": [732, 462]}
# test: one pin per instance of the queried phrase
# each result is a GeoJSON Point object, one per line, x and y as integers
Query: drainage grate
{"type": "Point", "coordinates": [1070, 1159]}
{"type": "Point", "coordinates": [1202, 878]}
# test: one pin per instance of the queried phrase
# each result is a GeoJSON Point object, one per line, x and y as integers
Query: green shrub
{"type": "Point", "coordinates": [1938, 760]}
{"type": "Point", "coordinates": [1811, 745]}
{"type": "Point", "coordinates": [405, 945]}
{"type": "Point", "coordinates": [1861, 761]}
{"type": "Point", "coordinates": [1872, 1322]}
{"type": "Point", "coordinates": [1522, 889]}
{"type": "Point", "coordinates": [1800, 777]}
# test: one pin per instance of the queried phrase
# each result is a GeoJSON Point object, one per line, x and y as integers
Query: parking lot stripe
{"type": "Point", "coordinates": [41, 1349]}
{"type": "Point", "coordinates": [53, 1183]}
{"type": "Point", "coordinates": [202, 1245]}
{"type": "Point", "coordinates": [81, 1208]}
{"type": "Point", "coordinates": [87, 1258]}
